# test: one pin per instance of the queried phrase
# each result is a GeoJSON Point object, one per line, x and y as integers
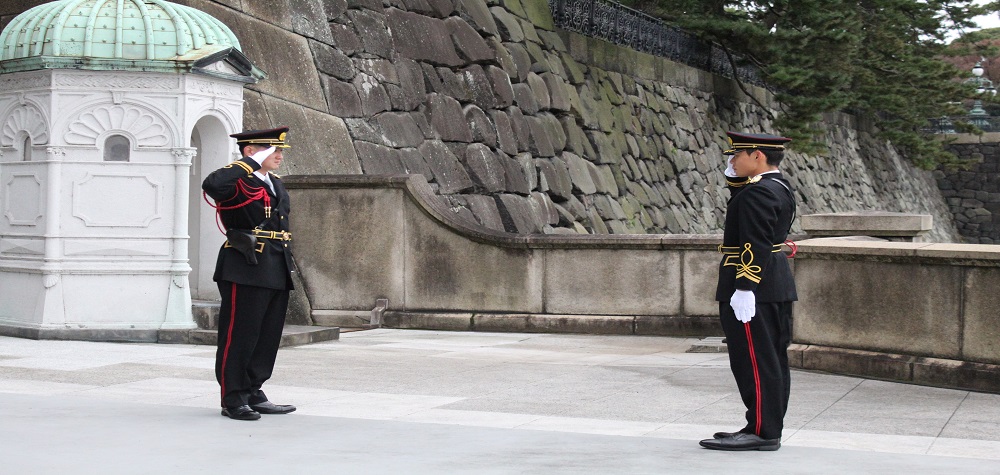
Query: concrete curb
{"type": "Point", "coordinates": [550, 323]}
{"type": "Point", "coordinates": [925, 371]}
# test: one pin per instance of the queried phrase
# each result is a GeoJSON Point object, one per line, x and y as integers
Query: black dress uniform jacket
{"type": "Point", "coordinates": [758, 218]}
{"type": "Point", "coordinates": [233, 188]}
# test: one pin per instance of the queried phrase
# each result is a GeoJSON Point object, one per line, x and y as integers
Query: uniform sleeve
{"type": "Point", "coordinates": [221, 184]}
{"type": "Point", "coordinates": [735, 184]}
{"type": "Point", "coordinates": [758, 215]}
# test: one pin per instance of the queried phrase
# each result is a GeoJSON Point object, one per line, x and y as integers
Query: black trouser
{"type": "Point", "coordinates": [758, 356]}
{"type": "Point", "coordinates": [250, 323]}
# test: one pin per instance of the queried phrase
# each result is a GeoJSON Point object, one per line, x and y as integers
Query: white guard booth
{"type": "Point", "coordinates": [111, 114]}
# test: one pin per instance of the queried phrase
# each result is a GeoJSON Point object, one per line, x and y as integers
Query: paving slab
{"type": "Point", "coordinates": [410, 401]}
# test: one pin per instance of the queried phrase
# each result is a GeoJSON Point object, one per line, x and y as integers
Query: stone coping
{"type": "Point", "coordinates": [420, 193]}
{"type": "Point", "coordinates": [930, 253]}
{"type": "Point", "coordinates": [868, 223]}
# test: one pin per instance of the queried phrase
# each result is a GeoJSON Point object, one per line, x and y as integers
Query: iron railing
{"type": "Point", "coordinates": [946, 125]}
{"type": "Point", "coordinates": [628, 27]}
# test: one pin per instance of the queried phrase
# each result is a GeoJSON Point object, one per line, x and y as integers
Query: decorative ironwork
{"type": "Point", "coordinates": [625, 26]}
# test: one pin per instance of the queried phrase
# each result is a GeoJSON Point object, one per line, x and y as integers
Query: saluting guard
{"type": "Point", "coordinates": [756, 288]}
{"type": "Point", "coordinates": [254, 271]}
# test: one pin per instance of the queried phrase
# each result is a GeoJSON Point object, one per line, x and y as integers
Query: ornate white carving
{"type": "Point", "coordinates": [148, 129]}
{"type": "Point", "coordinates": [23, 199]}
{"type": "Point", "coordinates": [29, 247]}
{"type": "Point", "coordinates": [20, 83]}
{"type": "Point", "coordinates": [109, 200]}
{"type": "Point", "coordinates": [116, 247]}
{"type": "Point", "coordinates": [215, 89]}
{"type": "Point", "coordinates": [50, 280]}
{"type": "Point", "coordinates": [116, 81]}
{"type": "Point", "coordinates": [25, 118]}
{"type": "Point", "coordinates": [184, 156]}
{"type": "Point", "coordinates": [55, 153]}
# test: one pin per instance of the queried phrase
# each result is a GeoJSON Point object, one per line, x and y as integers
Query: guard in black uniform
{"type": "Point", "coordinates": [756, 288]}
{"type": "Point", "coordinates": [253, 271]}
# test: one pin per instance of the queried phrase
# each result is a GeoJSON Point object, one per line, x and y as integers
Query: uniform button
{"type": "Point", "coordinates": [286, 245]}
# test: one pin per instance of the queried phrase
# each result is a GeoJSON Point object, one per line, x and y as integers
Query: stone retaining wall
{"type": "Point", "coordinates": [521, 127]}
{"type": "Point", "coordinates": [973, 194]}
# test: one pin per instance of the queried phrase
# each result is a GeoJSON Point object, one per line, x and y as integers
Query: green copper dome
{"type": "Point", "coordinates": [130, 33]}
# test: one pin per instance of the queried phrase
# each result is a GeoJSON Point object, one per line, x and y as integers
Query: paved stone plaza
{"type": "Point", "coordinates": [405, 401]}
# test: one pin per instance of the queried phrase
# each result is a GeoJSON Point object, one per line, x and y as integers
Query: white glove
{"type": "Point", "coordinates": [744, 303]}
{"type": "Point", "coordinates": [262, 155]}
{"type": "Point", "coordinates": [730, 171]}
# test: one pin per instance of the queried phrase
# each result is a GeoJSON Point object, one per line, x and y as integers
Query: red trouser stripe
{"type": "Point", "coordinates": [229, 340]}
{"type": "Point", "coordinates": [756, 374]}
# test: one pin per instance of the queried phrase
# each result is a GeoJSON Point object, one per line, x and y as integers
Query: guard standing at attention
{"type": "Point", "coordinates": [254, 271]}
{"type": "Point", "coordinates": [756, 288]}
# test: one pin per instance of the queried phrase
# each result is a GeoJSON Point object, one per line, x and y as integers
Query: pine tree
{"type": "Point", "coordinates": [878, 59]}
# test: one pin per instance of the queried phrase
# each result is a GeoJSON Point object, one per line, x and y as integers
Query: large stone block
{"type": "Point", "coordinates": [423, 38]}
{"type": "Point", "coordinates": [483, 130]}
{"type": "Point", "coordinates": [345, 38]}
{"type": "Point", "coordinates": [502, 88]}
{"type": "Point", "coordinates": [373, 30]}
{"type": "Point", "coordinates": [579, 173]}
{"type": "Point", "coordinates": [478, 15]}
{"type": "Point", "coordinates": [506, 139]}
{"type": "Point", "coordinates": [448, 119]}
{"type": "Point", "coordinates": [343, 99]}
{"type": "Point", "coordinates": [332, 61]}
{"type": "Point", "coordinates": [292, 75]}
{"type": "Point", "coordinates": [397, 129]}
{"type": "Point", "coordinates": [449, 174]}
{"type": "Point", "coordinates": [323, 147]}
{"type": "Point", "coordinates": [378, 160]}
{"type": "Point", "coordinates": [411, 80]}
{"type": "Point", "coordinates": [469, 45]}
{"type": "Point", "coordinates": [554, 178]}
{"type": "Point", "coordinates": [414, 163]}
{"type": "Point", "coordinates": [485, 168]}
{"type": "Point", "coordinates": [522, 212]}
{"type": "Point", "coordinates": [309, 19]}
{"type": "Point", "coordinates": [508, 25]}
{"type": "Point", "coordinates": [878, 306]}
{"type": "Point", "coordinates": [539, 14]}
{"type": "Point", "coordinates": [541, 141]}
{"type": "Point", "coordinates": [480, 87]}
{"type": "Point", "coordinates": [632, 281]}
{"type": "Point", "coordinates": [372, 93]}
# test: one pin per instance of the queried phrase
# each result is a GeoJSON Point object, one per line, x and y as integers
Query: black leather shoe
{"type": "Point", "coordinates": [241, 413]}
{"type": "Point", "coordinates": [723, 435]}
{"type": "Point", "coordinates": [268, 407]}
{"type": "Point", "coordinates": [741, 441]}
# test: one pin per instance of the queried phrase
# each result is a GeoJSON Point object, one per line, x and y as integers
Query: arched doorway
{"type": "Point", "coordinates": [215, 149]}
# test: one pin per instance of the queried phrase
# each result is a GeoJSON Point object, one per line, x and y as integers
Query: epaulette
{"type": "Point", "coordinates": [242, 165]}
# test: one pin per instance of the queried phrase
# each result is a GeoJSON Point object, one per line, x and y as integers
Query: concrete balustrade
{"type": "Point", "coordinates": [361, 238]}
{"type": "Point", "coordinates": [917, 312]}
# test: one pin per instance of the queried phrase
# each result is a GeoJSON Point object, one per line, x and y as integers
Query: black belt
{"type": "Point", "coordinates": [278, 235]}
{"type": "Point", "coordinates": [736, 250]}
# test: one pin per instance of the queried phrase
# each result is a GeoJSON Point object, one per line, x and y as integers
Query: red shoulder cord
{"type": "Point", "coordinates": [793, 246]}
{"type": "Point", "coordinates": [252, 193]}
